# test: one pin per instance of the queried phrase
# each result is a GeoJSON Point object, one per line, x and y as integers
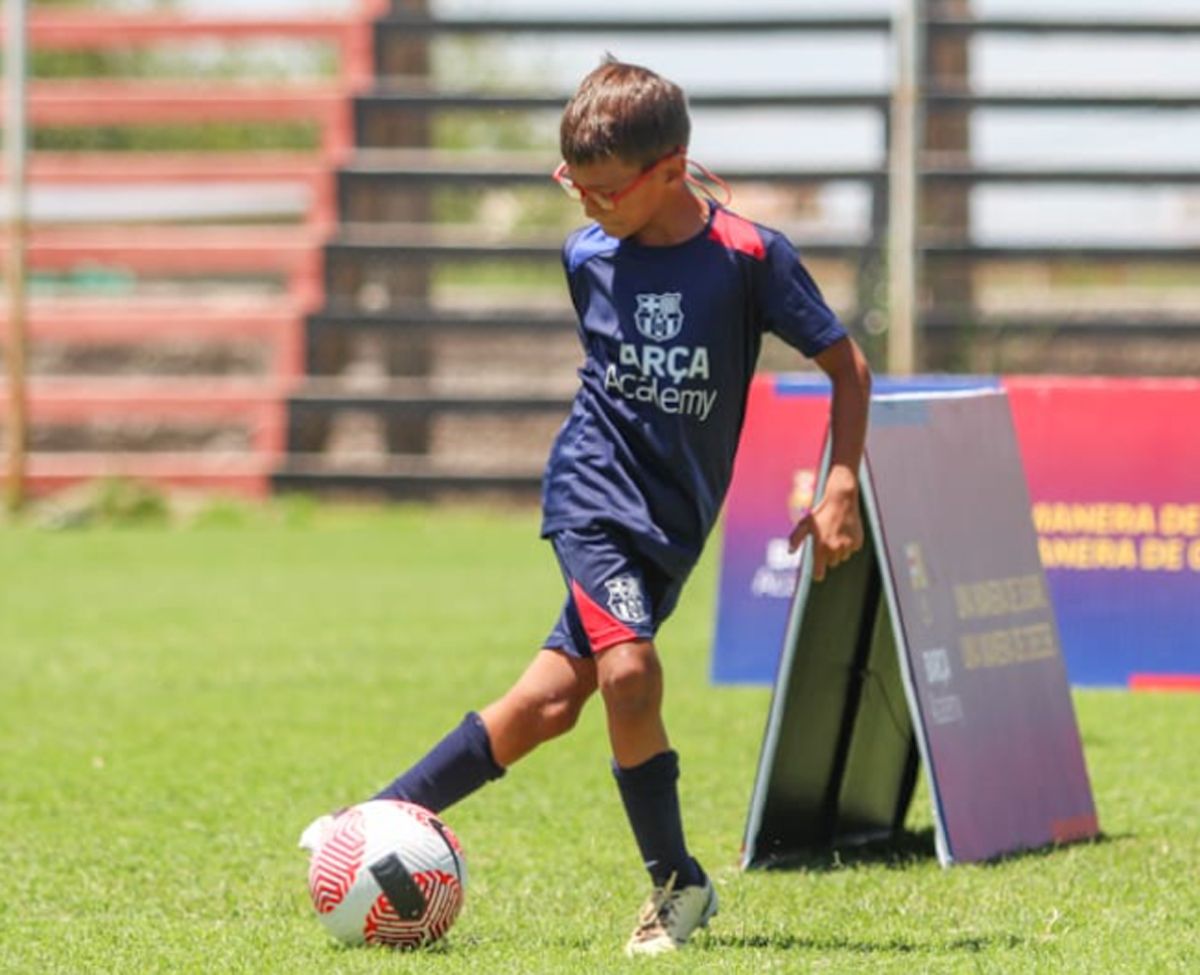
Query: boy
{"type": "Point", "coordinates": [672, 293]}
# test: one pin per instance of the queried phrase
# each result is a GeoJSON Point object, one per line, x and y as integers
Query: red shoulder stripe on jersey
{"type": "Point", "coordinates": [603, 631]}
{"type": "Point", "coordinates": [737, 233]}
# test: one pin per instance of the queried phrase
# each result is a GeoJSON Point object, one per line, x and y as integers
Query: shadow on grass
{"type": "Point", "coordinates": [442, 947]}
{"type": "Point", "coordinates": [908, 848]}
{"type": "Point", "coordinates": [1042, 852]}
{"type": "Point", "coordinates": [905, 849]}
{"type": "Point", "coordinates": [780, 941]}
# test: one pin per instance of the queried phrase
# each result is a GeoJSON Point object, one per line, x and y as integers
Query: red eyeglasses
{"type": "Point", "coordinates": [609, 201]}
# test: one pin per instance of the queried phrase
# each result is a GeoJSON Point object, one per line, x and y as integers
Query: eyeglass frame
{"type": "Point", "coordinates": [609, 201]}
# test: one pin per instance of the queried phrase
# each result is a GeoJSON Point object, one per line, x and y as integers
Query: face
{"type": "Point", "coordinates": [620, 196]}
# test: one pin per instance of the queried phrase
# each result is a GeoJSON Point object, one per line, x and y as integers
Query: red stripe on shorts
{"type": "Point", "coordinates": [603, 630]}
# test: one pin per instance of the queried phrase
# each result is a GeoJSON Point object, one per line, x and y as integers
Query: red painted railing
{"type": "Point", "coordinates": [287, 253]}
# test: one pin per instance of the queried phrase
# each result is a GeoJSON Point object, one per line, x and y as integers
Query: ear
{"type": "Point", "coordinates": [675, 169]}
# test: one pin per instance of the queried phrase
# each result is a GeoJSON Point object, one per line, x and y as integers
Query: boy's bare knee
{"type": "Point", "coordinates": [549, 712]}
{"type": "Point", "coordinates": [558, 715]}
{"type": "Point", "coordinates": [631, 678]}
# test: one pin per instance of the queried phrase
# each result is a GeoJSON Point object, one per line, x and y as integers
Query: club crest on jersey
{"type": "Point", "coordinates": [659, 317]}
{"type": "Point", "coordinates": [625, 599]}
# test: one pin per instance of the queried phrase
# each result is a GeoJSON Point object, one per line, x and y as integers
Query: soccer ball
{"type": "Point", "coordinates": [388, 873]}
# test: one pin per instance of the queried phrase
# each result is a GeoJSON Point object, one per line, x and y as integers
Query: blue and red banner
{"type": "Point", "coordinates": [1113, 470]}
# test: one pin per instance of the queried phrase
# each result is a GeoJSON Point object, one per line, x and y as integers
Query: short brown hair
{"type": "Point", "coordinates": [624, 111]}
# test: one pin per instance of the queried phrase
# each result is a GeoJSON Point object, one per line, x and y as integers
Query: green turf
{"type": "Point", "coordinates": [176, 704]}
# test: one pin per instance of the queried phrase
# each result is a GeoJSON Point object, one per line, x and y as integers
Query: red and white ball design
{"type": "Point", "coordinates": [389, 873]}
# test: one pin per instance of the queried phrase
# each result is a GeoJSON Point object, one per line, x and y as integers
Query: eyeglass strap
{"type": "Point", "coordinates": [711, 177]}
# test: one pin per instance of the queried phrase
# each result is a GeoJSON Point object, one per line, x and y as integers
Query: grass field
{"type": "Point", "coordinates": [176, 704]}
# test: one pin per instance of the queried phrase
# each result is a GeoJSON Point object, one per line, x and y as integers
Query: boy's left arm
{"type": "Point", "coordinates": [834, 524]}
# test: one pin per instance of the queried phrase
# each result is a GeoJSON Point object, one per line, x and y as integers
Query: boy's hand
{"type": "Point", "coordinates": [834, 525]}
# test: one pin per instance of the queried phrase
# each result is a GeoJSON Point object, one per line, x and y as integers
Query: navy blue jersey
{"type": "Point", "coordinates": [671, 336]}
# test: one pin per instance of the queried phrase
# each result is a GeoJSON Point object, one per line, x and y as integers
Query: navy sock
{"type": "Point", "coordinates": [454, 768]}
{"type": "Point", "coordinates": [651, 799]}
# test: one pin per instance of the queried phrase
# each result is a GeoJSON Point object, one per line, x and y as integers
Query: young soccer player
{"type": "Point", "coordinates": [673, 294]}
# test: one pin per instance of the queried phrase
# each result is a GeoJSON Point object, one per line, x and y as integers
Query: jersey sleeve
{"type": "Point", "coordinates": [580, 247]}
{"type": "Point", "coordinates": [789, 302]}
{"type": "Point", "coordinates": [568, 266]}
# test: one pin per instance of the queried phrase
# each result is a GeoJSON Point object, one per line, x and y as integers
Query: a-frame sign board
{"type": "Point", "coordinates": [936, 643]}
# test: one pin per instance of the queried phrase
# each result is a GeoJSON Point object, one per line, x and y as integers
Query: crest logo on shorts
{"type": "Point", "coordinates": [625, 599]}
{"type": "Point", "coordinates": [659, 317]}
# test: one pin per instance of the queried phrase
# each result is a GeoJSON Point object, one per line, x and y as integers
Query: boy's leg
{"type": "Point", "coordinates": [645, 767]}
{"type": "Point", "coordinates": [632, 678]}
{"type": "Point", "coordinates": [454, 768]}
{"type": "Point", "coordinates": [543, 703]}
{"type": "Point", "coordinates": [617, 601]}
{"type": "Point", "coordinates": [683, 899]}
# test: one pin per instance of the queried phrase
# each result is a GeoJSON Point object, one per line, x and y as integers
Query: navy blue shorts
{"type": "Point", "coordinates": [614, 594]}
